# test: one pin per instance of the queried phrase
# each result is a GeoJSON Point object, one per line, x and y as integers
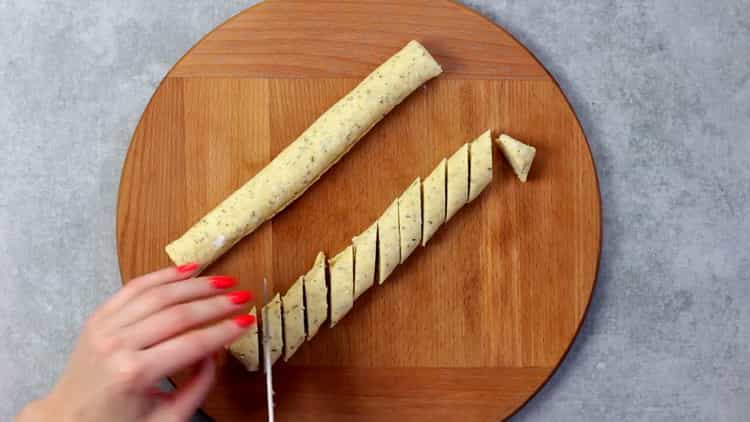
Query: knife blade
{"type": "Point", "coordinates": [267, 354]}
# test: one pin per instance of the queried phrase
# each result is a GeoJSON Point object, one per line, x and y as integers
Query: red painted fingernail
{"type": "Point", "coordinates": [240, 296]}
{"type": "Point", "coordinates": [244, 320]}
{"type": "Point", "coordinates": [187, 268]}
{"type": "Point", "coordinates": [222, 281]}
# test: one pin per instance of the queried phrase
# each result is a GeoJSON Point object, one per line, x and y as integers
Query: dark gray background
{"type": "Point", "coordinates": [662, 89]}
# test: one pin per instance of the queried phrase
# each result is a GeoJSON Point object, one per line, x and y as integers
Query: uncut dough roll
{"type": "Point", "coordinates": [245, 348]}
{"type": "Point", "coordinates": [293, 307]}
{"type": "Point", "coordinates": [303, 162]}
{"type": "Point", "coordinates": [341, 271]}
{"type": "Point", "coordinates": [365, 253]}
{"type": "Point", "coordinates": [519, 155]}
{"type": "Point", "coordinates": [480, 166]}
{"type": "Point", "coordinates": [389, 247]}
{"type": "Point", "coordinates": [316, 295]}
{"type": "Point", "coordinates": [433, 205]}
{"type": "Point", "coordinates": [457, 184]}
{"type": "Point", "coordinates": [272, 322]}
{"type": "Point", "coordinates": [410, 219]}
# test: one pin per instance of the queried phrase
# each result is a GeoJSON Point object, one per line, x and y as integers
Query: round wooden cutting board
{"type": "Point", "coordinates": [470, 327]}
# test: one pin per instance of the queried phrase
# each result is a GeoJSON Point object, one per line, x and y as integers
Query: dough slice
{"type": "Point", "coordinates": [294, 318]}
{"type": "Point", "coordinates": [245, 348]}
{"type": "Point", "coordinates": [365, 253]}
{"type": "Point", "coordinates": [305, 159]}
{"type": "Point", "coordinates": [410, 219]}
{"type": "Point", "coordinates": [272, 322]}
{"type": "Point", "coordinates": [457, 185]}
{"type": "Point", "coordinates": [518, 154]}
{"type": "Point", "coordinates": [389, 247]}
{"type": "Point", "coordinates": [341, 270]}
{"type": "Point", "coordinates": [433, 190]}
{"type": "Point", "coordinates": [316, 295]}
{"type": "Point", "coordinates": [480, 167]}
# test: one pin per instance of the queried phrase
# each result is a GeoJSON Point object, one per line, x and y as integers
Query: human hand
{"type": "Point", "coordinates": [156, 325]}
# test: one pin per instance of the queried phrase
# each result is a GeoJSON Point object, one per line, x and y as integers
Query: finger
{"type": "Point", "coordinates": [140, 284]}
{"type": "Point", "coordinates": [188, 398]}
{"type": "Point", "coordinates": [183, 317]}
{"type": "Point", "coordinates": [174, 354]}
{"type": "Point", "coordinates": [162, 297]}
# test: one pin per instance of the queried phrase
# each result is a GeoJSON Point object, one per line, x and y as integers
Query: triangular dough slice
{"type": "Point", "coordinates": [410, 219]}
{"type": "Point", "coordinates": [480, 167]}
{"type": "Point", "coordinates": [294, 318]}
{"type": "Point", "coordinates": [341, 269]}
{"type": "Point", "coordinates": [433, 205]}
{"type": "Point", "coordinates": [518, 154]}
{"type": "Point", "coordinates": [272, 322]}
{"type": "Point", "coordinates": [365, 253]}
{"type": "Point", "coordinates": [389, 247]}
{"type": "Point", "coordinates": [245, 348]}
{"type": "Point", "coordinates": [316, 295]}
{"type": "Point", "coordinates": [457, 185]}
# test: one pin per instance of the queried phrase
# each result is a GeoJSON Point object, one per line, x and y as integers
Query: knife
{"type": "Point", "coordinates": [267, 354]}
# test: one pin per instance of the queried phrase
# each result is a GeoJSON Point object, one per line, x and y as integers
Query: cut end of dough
{"type": "Point", "coordinates": [433, 201]}
{"type": "Point", "coordinates": [341, 269]}
{"type": "Point", "coordinates": [273, 330]}
{"type": "Point", "coordinates": [179, 256]}
{"type": "Point", "coordinates": [519, 155]}
{"type": "Point", "coordinates": [316, 295]}
{"type": "Point", "coordinates": [410, 219]}
{"type": "Point", "coordinates": [320, 259]}
{"type": "Point", "coordinates": [294, 318]}
{"type": "Point", "coordinates": [389, 242]}
{"type": "Point", "coordinates": [457, 183]}
{"type": "Point", "coordinates": [365, 256]}
{"type": "Point", "coordinates": [245, 349]}
{"type": "Point", "coordinates": [432, 66]}
{"type": "Point", "coordinates": [480, 164]}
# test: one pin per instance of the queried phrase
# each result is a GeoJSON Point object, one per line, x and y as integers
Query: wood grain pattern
{"type": "Point", "coordinates": [469, 327]}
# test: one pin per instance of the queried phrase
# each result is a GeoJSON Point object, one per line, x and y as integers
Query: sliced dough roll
{"type": "Point", "coordinates": [294, 318]}
{"type": "Point", "coordinates": [316, 295]}
{"type": "Point", "coordinates": [389, 247]}
{"type": "Point", "coordinates": [365, 254]}
{"type": "Point", "coordinates": [480, 167]}
{"type": "Point", "coordinates": [272, 327]}
{"type": "Point", "coordinates": [457, 185]}
{"type": "Point", "coordinates": [341, 270]}
{"type": "Point", "coordinates": [394, 236]}
{"type": "Point", "coordinates": [245, 348]}
{"type": "Point", "coordinates": [433, 205]}
{"type": "Point", "coordinates": [410, 219]}
{"type": "Point", "coordinates": [518, 154]}
{"type": "Point", "coordinates": [305, 160]}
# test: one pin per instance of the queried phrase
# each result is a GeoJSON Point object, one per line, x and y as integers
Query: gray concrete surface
{"type": "Point", "coordinates": [661, 87]}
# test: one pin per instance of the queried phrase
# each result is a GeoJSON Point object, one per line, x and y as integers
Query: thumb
{"type": "Point", "coordinates": [188, 398]}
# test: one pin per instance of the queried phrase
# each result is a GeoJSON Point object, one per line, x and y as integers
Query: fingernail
{"type": "Point", "coordinates": [187, 268]}
{"type": "Point", "coordinates": [244, 321]}
{"type": "Point", "coordinates": [222, 281]}
{"type": "Point", "coordinates": [239, 297]}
